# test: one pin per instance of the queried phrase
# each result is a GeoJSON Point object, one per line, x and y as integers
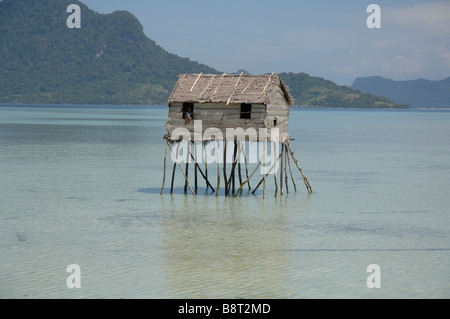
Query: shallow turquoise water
{"type": "Point", "coordinates": [81, 186]}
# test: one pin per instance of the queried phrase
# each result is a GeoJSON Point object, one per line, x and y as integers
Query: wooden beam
{"type": "Point", "coordinates": [235, 86]}
{"type": "Point", "coordinates": [181, 167]}
{"type": "Point", "coordinates": [164, 174]}
{"type": "Point", "coordinates": [268, 82]}
{"type": "Point", "coordinates": [248, 86]}
{"type": "Point", "coordinates": [195, 83]}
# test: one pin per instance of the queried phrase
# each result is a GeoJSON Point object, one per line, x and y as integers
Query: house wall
{"type": "Point", "coordinates": [219, 116]}
{"type": "Point", "coordinates": [278, 109]}
{"type": "Point", "coordinates": [222, 116]}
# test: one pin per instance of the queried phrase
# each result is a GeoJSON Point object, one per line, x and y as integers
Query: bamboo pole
{"type": "Point", "coordinates": [234, 166]}
{"type": "Point", "coordinates": [286, 154]}
{"type": "Point", "coordinates": [225, 167]}
{"type": "Point", "coordinates": [248, 179]}
{"type": "Point", "coordinates": [262, 179]}
{"type": "Point", "coordinates": [275, 176]}
{"type": "Point", "coordinates": [290, 169]}
{"type": "Point", "coordinates": [181, 167]}
{"type": "Point", "coordinates": [264, 187]}
{"type": "Point", "coordinates": [195, 167]}
{"type": "Point", "coordinates": [281, 171]}
{"type": "Point", "coordinates": [164, 174]}
{"type": "Point", "coordinates": [305, 180]}
{"type": "Point", "coordinates": [203, 175]}
{"type": "Point", "coordinates": [239, 163]}
{"type": "Point", "coordinates": [206, 166]}
{"type": "Point", "coordinates": [218, 169]}
{"type": "Point", "coordinates": [188, 151]}
{"type": "Point", "coordinates": [174, 168]}
{"type": "Point", "coordinates": [246, 166]}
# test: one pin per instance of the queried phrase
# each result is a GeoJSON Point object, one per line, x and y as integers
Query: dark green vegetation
{"type": "Point", "coordinates": [111, 61]}
{"type": "Point", "coordinates": [315, 91]}
{"type": "Point", "coordinates": [108, 61]}
{"type": "Point", "coordinates": [418, 93]}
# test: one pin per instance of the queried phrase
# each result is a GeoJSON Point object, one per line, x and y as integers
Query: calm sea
{"type": "Point", "coordinates": [80, 185]}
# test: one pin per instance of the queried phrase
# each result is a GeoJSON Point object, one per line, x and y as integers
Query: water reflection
{"type": "Point", "coordinates": [225, 248]}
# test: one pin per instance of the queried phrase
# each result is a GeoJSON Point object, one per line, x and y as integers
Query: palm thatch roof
{"type": "Point", "coordinates": [227, 88]}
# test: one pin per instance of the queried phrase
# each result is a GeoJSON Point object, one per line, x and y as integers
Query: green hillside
{"type": "Point", "coordinates": [315, 91]}
{"type": "Point", "coordinates": [108, 61]}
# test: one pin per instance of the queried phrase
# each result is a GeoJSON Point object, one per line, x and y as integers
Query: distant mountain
{"type": "Point", "coordinates": [109, 60]}
{"type": "Point", "coordinates": [418, 93]}
{"type": "Point", "coordinates": [315, 91]}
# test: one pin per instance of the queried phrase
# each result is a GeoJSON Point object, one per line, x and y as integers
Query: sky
{"type": "Point", "coordinates": [325, 38]}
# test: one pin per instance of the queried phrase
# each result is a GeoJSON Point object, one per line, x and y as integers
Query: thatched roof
{"type": "Point", "coordinates": [227, 88]}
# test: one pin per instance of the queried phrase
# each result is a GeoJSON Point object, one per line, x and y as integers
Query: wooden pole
{"type": "Point", "coordinates": [225, 167]}
{"type": "Point", "coordinates": [264, 188]}
{"type": "Point", "coordinates": [188, 151]}
{"type": "Point", "coordinates": [181, 167]}
{"type": "Point", "coordinates": [305, 180]}
{"type": "Point", "coordinates": [275, 176]}
{"type": "Point", "coordinates": [164, 174]}
{"type": "Point", "coordinates": [262, 179]}
{"type": "Point", "coordinates": [285, 167]}
{"type": "Point", "coordinates": [239, 163]}
{"type": "Point", "coordinates": [234, 165]}
{"type": "Point", "coordinates": [218, 169]}
{"type": "Point", "coordinates": [247, 180]}
{"type": "Point", "coordinates": [290, 169]}
{"type": "Point", "coordinates": [195, 167]}
{"type": "Point", "coordinates": [246, 166]}
{"type": "Point", "coordinates": [203, 175]}
{"type": "Point", "coordinates": [206, 166]}
{"type": "Point", "coordinates": [281, 171]}
{"type": "Point", "coordinates": [173, 172]}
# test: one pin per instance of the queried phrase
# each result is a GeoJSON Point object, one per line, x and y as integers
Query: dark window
{"type": "Point", "coordinates": [246, 111]}
{"type": "Point", "coordinates": [188, 111]}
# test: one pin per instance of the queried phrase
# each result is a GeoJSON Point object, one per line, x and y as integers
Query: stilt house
{"type": "Point", "coordinates": [224, 102]}
{"type": "Point", "coordinates": [230, 101]}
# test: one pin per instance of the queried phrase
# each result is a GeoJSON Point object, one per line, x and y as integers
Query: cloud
{"type": "Point", "coordinates": [429, 17]}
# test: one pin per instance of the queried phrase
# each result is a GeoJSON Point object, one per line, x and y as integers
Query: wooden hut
{"type": "Point", "coordinates": [230, 101]}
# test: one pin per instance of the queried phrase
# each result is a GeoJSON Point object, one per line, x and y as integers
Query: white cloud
{"type": "Point", "coordinates": [430, 16]}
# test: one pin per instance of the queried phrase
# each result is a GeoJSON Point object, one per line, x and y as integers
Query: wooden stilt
{"type": "Point", "coordinates": [234, 166]}
{"type": "Point", "coordinates": [174, 168]}
{"type": "Point", "coordinates": [218, 169]}
{"type": "Point", "coordinates": [305, 180]}
{"type": "Point", "coordinates": [275, 176]}
{"type": "Point", "coordinates": [195, 167]}
{"type": "Point", "coordinates": [181, 167]}
{"type": "Point", "coordinates": [188, 151]}
{"type": "Point", "coordinates": [206, 166]}
{"type": "Point", "coordinates": [281, 171]}
{"type": "Point", "coordinates": [225, 167]}
{"type": "Point", "coordinates": [203, 175]}
{"type": "Point", "coordinates": [246, 165]}
{"type": "Point", "coordinates": [164, 174]}
{"type": "Point", "coordinates": [290, 170]}
{"type": "Point", "coordinates": [286, 154]}
{"type": "Point", "coordinates": [248, 179]}
{"type": "Point", "coordinates": [239, 163]}
{"type": "Point", "coordinates": [265, 175]}
{"type": "Point", "coordinates": [264, 188]}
